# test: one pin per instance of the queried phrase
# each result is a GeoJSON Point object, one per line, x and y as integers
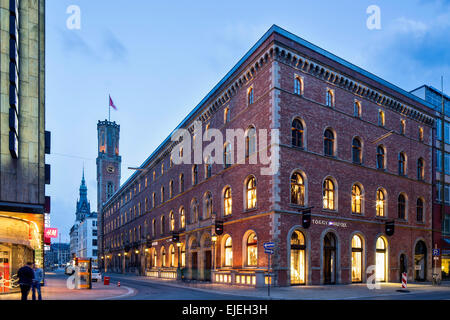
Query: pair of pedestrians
{"type": "Point", "coordinates": [30, 277]}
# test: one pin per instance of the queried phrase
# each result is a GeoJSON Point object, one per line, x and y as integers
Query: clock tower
{"type": "Point", "coordinates": [108, 171]}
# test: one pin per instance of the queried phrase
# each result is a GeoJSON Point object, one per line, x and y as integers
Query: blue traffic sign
{"type": "Point", "coordinates": [269, 251]}
{"type": "Point", "coordinates": [269, 245]}
{"type": "Point", "coordinates": [436, 252]}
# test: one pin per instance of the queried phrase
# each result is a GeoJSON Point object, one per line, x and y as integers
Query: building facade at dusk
{"type": "Point", "coordinates": [24, 141]}
{"type": "Point", "coordinates": [441, 205]}
{"type": "Point", "coordinates": [353, 149]}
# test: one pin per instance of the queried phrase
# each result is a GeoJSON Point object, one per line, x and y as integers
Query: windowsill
{"type": "Point", "coordinates": [250, 210]}
{"type": "Point", "coordinates": [381, 217]}
{"type": "Point", "coordinates": [297, 206]}
{"type": "Point", "coordinates": [358, 214]}
{"type": "Point", "coordinates": [330, 210]}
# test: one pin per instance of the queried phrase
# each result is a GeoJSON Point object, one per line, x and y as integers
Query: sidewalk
{"type": "Point", "coordinates": [328, 292]}
{"type": "Point", "coordinates": [55, 289]}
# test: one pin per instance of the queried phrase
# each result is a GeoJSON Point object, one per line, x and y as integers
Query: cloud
{"type": "Point", "coordinates": [114, 48]}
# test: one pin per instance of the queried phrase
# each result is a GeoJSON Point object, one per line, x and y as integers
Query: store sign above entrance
{"type": "Point", "coordinates": [51, 233]}
{"type": "Point", "coordinates": [330, 223]}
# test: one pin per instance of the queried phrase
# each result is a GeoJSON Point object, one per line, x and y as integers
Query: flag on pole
{"type": "Point", "coordinates": [111, 103]}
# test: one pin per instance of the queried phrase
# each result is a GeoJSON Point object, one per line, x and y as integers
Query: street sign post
{"type": "Point", "coordinates": [269, 249]}
{"type": "Point", "coordinates": [436, 252]}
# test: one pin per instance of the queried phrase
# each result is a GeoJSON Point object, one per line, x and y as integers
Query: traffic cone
{"type": "Point", "coordinates": [118, 283]}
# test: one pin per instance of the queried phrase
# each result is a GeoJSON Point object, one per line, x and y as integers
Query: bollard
{"type": "Point", "coordinates": [404, 283]}
{"type": "Point", "coordinates": [118, 283]}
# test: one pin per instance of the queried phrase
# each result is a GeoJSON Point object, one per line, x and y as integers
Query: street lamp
{"type": "Point", "coordinates": [214, 239]}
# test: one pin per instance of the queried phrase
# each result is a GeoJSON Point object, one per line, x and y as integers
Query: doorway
{"type": "Point", "coordinates": [420, 261]}
{"type": "Point", "coordinates": [329, 259]}
{"type": "Point", "coordinates": [194, 269]}
{"type": "Point", "coordinates": [207, 264]}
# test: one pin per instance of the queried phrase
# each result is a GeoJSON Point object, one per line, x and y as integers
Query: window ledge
{"type": "Point", "coordinates": [330, 211]}
{"type": "Point", "coordinates": [250, 210]}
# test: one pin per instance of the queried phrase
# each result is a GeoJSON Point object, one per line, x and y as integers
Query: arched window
{"type": "Point", "coordinates": [328, 195]}
{"type": "Point", "coordinates": [250, 96]}
{"type": "Point", "coordinates": [170, 189]}
{"type": "Point", "coordinates": [297, 189]}
{"type": "Point", "coordinates": [330, 98]}
{"type": "Point", "coordinates": [402, 126]}
{"type": "Point", "coordinates": [357, 109]}
{"type": "Point", "coordinates": [182, 218]}
{"type": "Point", "coordinates": [153, 200]}
{"type": "Point", "coordinates": [228, 252]}
{"type": "Point", "coordinates": [419, 210]}
{"type": "Point", "coordinates": [162, 169]}
{"type": "Point", "coordinates": [208, 167]}
{"type": "Point", "coordinates": [181, 182]}
{"type": "Point", "coordinates": [163, 224]}
{"type": "Point", "coordinates": [298, 261]}
{"type": "Point", "coordinates": [381, 260]}
{"type": "Point", "coordinates": [163, 257]}
{"type": "Point", "coordinates": [420, 134]}
{"type": "Point", "coordinates": [194, 174]}
{"type": "Point", "coordinates": [110, 190]}
{"type": "Point", "coordinates": [226, 115]}
{"type": "Point", "coordinates": [297, 133]}
{"type": "Point", "coordinates": [172, 221]}
{"type": "Point", "coordinates": [172, 255]}
{"type": "Point", "coordinates": [227, 159]}
{"type": "Point", "coordinates": [208, 207]}
{"type": "Point", "coordinates": [401, 207]}
{"type": "Point", "coordinates": [250, 141]}
{"type": "Point", "coordinates": [227, 202]}
{"type": "Point", "coordinates": [356, 151]}
{"type": "Point", "coordinates": [420, 169]}
{"type": "Point", "coordinates": [401, 164]}
{"type": "Point", "coordinates": [380, 157]}
{"type": "Point", "coordinates": [154, 228]}
{"type": "Point", "coordinates": [298, 85]}
{"type": "Point", "coordinates": [381, 203]}
{"type": "Point", "coordinates": [250, 190]}
{"type": "Point", "coordinates": [328, 143]}
{"type": "Point", "coordinates": [155, 258]}
{"type": "Point", "coordinates": [194, 211]}
{"type": "Point", "coordinates": [252, 250]}
{"type": "Point", "coordinates": [357, 251]}
{"type": "Point", "coordinates": [162, 194]}
{"type": "Point", "coordinates": [183, 256]}
{"type": "Point", "coordinates": [381, 118]}
{"type": "Point", "coordinates": [357, 199]}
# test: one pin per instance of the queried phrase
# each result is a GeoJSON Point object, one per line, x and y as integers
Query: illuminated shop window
{"type": "Point", "coordinates": [252, 250]}
{"type": "Point", "coordinates": [381, 260]}
{"type": "Point", "coordinates": [251, 193]}
{"type": "Point", "coordinates": [297, 189]}
{"type": "Point", "coordinates": [357, 251]}
{"type": "Point", "coordinates": [172, 255]}
{"type": "Point", "coordinates": [298, 260]}
{"type": "Point", "coordinates": [227, 201]}
{"type": "Point", "coordinates": [183, 256]}
{"type": "Point", "coordinates": [228, 250]}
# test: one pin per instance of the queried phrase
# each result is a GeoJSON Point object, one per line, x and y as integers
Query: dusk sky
{"type": "Point", "coordinates": [159, 59]}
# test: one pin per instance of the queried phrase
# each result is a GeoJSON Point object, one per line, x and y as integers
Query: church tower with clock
{"type": "Point", "coordinates": [108, 169]}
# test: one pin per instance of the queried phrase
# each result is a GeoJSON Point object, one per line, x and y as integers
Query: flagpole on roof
{"type": "Point", "coordinates": [109, 108]}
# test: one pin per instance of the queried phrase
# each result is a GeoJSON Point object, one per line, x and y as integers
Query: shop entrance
{"type": "Point", "coordinates": [329, 259]}
{"type": "Point", "coordinates": [420, 261]}
{"type": "Point", "coordinates": [194, 266]}
{"type": "Point", "coordinates": [207, 266]}
{"type": "Point", "coordinates": [5, 269]}
{"type": "Point", "coordinates": [297, 258]}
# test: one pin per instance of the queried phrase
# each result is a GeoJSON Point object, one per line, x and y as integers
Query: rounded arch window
{"type": "Point", "coordinates": [328, 195]}
{"type": "Point", "coordinates": [228, 252]}
{"type": "Point", "coordinates": [401, 207]}
{"type": "Point", "coordinates": [357, 250]}
{"type": "Point", "coordinates": [381, 203]}
{"type": "Point", "coordinates": [297, 189]}
{"type": "Point", "coordinates": [357, 199]}
{"type": "Point", "coordinates": [251, 193]}
{"type": "Point", "coordinates": [380, 157]}
{"type": "Point", "coordinates": [252, 250]}
{"type": "Point", "coordinates": [381, 260]}
{"type": "Point", "coordinates": [227, 201]}
{"type": "Point", "coordinates": [420, 210]}
{"type": "Point", "coordinates": [356, 151]}
{"type": "Point", "coordinates": [328, 143]}
{"type": "Point", "coordinates": [297, 133]}
{"type": "Point", "coordinates": [298, 258]}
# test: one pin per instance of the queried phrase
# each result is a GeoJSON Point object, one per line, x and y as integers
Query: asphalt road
{"type": "Point", "coordinates": [153, 291]}
{"type": "Point", "coordinates": [431, 295]}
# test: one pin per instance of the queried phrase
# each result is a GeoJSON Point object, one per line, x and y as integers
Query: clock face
{"type": "Point", "coordinates": [110, 169]}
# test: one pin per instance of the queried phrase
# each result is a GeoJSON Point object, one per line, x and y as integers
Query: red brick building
{"type": "Point", "coordinates": [352, 146]}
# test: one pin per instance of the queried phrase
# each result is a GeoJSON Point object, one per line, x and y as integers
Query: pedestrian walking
{"type": "Point", "coordinates": [38, 276]}
{"type": "Point", "coordinates": [26, 276]}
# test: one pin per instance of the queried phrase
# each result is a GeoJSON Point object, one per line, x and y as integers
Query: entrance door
{"type": "Point", "coordinates": [194, 266]}
{"type": "Point", "coordinates": [207, 264]}
{"type": "Point", "coordinates": [403, 266]}
{"type": "Point", "coordinates": [420, 261]}
{"type": "Point", "coordinates": [329, 259]}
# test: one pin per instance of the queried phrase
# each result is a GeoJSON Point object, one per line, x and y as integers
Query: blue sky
{"type": "Point", "coordinates": [158, 60]}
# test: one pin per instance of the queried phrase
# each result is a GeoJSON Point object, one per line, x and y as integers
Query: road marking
{"type": "Point", "coordinates": [129, 293]}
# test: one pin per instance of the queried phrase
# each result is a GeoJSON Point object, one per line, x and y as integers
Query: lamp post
{"type": "Point", "coordinates": [179, 258]}
{"type": "Point", "coordinates": [214, 239]}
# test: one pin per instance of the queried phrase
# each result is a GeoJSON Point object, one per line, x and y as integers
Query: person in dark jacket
{"type": "Point", "coordinates": [26, 276]}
